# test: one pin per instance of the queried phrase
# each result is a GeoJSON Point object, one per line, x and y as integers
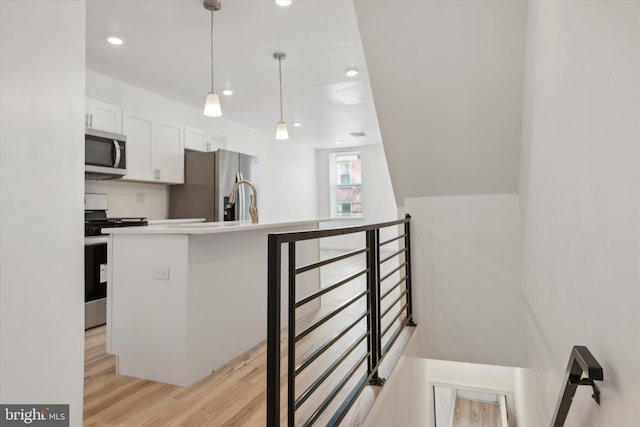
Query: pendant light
{"type": "Point", "coordinates": [212, 105]}
{"type": "Point", "coordinates": [281, 130]}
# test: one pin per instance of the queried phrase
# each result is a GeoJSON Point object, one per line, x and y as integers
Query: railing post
{"type": "Point", "coordinates": [374, 307]}
{"type": "Point", "coordinates": [291, 335]}
{"type": "Point", "coordinates": [407, 245]}
{"type": "Point", "coordinates": [273, 331]}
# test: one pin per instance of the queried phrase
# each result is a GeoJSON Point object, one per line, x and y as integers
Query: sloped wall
{"type": "Point", "coordinates": [447, 83]}
{"type": "Point", "coordinates": [447, 80]}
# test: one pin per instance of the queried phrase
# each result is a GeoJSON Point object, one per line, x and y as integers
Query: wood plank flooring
{"type": "Point", "coordinates": [474, 413]}
{"type": "Point", "coordinates": [233, 396]}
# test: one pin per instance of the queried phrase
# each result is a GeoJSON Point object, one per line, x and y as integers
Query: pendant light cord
{"type": "Point", "coordinates": [212, 51]}
{"type": "Point", "coordinates": [280, 73]}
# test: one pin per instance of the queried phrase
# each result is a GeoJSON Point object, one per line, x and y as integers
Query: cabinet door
{"type": "Point", "coordinates": [103, 116]}
{"type": "Point", "coordinates": [216, 142]}
{"type": "Point", "coordinates": [139, 132]}
{"type": "Point", "coordinates": [195, 139]}
{"type": "Point", "coordinates": [169, 153]}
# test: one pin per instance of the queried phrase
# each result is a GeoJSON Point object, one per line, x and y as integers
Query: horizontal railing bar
{"type": "Point", "coordinates": [318, 352]}
{"type": "Point", "coordinates": [391, 289]}
{"type": "Point", "coordinates": [330, 288]}
{"type": "Point", "coordinates": [318, 234]}
{"type": "Point", "coordinates": [395, 336]}
{"type": "Point", "coordinates": [318, 382]}
{"type": "Point", "coordinates": [348, 402]}
{"type": "Point", "coordinates": [386, 242]}
{"type": "Point", "coordinates": [329, 316]}
{"type": "Point", "coordinates": [393, 320]}
{"type": "Point", "coordinates": [335, 391]}
{"type": "Point", "coordinates": [393, 271]}
{"type": "Point", "coordinates": [402, 294]}
{"type": "Point", "coordinates": [324, 262]}
{"type": "Point", "coordinates": [382, 261]}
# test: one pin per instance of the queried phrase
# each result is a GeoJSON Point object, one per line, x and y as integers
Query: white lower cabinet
{"type": "Point", "coordinates": [155, 149]}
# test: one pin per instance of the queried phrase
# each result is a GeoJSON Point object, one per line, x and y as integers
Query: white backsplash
{"type": "Point", "coordinates": [133, 199]}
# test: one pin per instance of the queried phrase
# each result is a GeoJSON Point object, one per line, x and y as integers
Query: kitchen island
{"type": "Point", "coordinates": [185, 299]}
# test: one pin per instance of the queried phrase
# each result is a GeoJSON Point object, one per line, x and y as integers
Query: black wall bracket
{"type": "Point", "coordinates": [581, 362]}
{"type": "Point", "coordinates": [587, 381]}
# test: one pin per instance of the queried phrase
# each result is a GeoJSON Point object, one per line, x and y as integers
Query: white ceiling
{"type": "Point", "coordinates": [167, 51]}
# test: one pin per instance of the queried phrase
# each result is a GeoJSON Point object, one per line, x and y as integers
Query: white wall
{"type": "Point", "coordinates": [378, 202]}
{"type": "Point", "coordinates": [580, 188]}
{"type": "Point", "coordinates": [41, 186]}
{"type": "Point", "coordinates": [466, 278]}
{"type": "Point", "coordinates": [287, 170]}
{"type": "Point", "coordinates": [447, 83]}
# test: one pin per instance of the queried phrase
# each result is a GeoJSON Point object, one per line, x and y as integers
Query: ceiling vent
{"type": "Point", "coordinates": [357, 134]}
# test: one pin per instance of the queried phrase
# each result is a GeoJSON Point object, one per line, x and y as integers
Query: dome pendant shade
{"type": "Point", "coordinates": [212, 105]}
{"type": "Point", "coordinates": [281, 131]}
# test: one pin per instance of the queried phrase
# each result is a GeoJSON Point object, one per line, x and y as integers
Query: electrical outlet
{"type": "Point", "coordinates": [103, 273]}
{"type": "Point", "coordinates": [160, 273]}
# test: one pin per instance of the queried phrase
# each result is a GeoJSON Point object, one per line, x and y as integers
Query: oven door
{"type": "Point", "coordinates": [95, 281]}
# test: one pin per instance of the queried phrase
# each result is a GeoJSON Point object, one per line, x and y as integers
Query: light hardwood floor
{"type": "Point", "coordinates": [233, 396]}
{"type": "Point", "coordinates": [474, 413]}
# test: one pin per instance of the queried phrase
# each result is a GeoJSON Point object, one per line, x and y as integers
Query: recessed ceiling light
{"type": "Point", "coordinates": [227, 92]}
{"type": "Point", "coordinates": [338, 141]}
{"type": "Point", "coordinates": [297, 124]}
{"type": "Point", "coordinates": [284, 2]}
{"type": "Point", "coordinates": [351, 72]}
{"type": "Point", "coordinates": [117, 41]}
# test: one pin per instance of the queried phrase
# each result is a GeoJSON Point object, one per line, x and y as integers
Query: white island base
{"type": "Point", "coordinates": [185, 300]}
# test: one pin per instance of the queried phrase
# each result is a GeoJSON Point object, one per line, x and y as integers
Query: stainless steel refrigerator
{"type": "Point", "coordinates": [208, 179]}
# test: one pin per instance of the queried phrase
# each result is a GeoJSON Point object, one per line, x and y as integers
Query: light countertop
{"type": "Point", "coordinates": [174, 221]}
{"type": "Point", "coordinates": [206, 227]}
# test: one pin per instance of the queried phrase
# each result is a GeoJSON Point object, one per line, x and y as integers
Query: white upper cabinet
{"type": "Point", "coordinates": [155, 149]}
{"type": "Point", "coordinates": [139, 132]}
{"type": "Point", "coordinates": [102, 116]}
{"type": "Point", "coordinates": [169, 152]}
{"type": "Point", "coordinates": [195, 139]}
{"type": "Point", "coordinates": [216, 142]}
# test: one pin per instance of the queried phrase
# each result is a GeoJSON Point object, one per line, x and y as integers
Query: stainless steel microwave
{"type": "Point", "coordinates": [105, 155]}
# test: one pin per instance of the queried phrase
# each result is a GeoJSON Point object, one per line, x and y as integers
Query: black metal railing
{"type": "Point", "coordinates": [374, 315]}
{"type": "Point", "coordinates": [581, 362]}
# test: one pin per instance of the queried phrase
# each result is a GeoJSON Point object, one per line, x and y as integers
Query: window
{"type": "Point", "coordinates": [346, 184]}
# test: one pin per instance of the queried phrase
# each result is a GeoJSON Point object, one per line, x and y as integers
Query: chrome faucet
{"type": "Point", "coordinates": [253, 209]}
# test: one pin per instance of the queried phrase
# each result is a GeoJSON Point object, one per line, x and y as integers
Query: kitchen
{"type": "Point", "coordinates": [61, 120]}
